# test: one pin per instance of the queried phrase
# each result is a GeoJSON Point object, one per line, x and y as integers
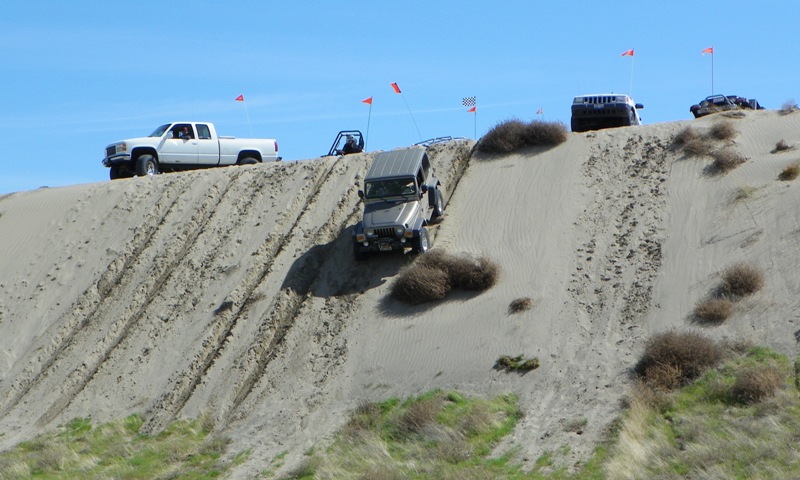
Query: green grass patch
{"type": "Point", "coordinates": [79, 449]}
{"type": "Point", "coordinates": [708, 426]}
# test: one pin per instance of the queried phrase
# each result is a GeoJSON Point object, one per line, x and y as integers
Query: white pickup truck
{"type": "Point", "coordinates": [185, 146]}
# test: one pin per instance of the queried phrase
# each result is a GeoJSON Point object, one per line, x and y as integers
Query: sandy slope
{"type": "Point", "coordinates": [233, 292]}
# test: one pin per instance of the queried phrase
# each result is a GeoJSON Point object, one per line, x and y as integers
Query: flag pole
{"type": "Point", "coordinates": [412, 117]}
{"type": "Point", "coordinates": [712, 70]}
{"type": "Point", "coordinates": [240, 98]}
{"type": "Point", "coordinates": [630, 90]}
{"type": "Point", "coordinates": [369, 117]}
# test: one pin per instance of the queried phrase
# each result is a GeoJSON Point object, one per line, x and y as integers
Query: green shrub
{"type": "Point", "coordinates": [516, 364]}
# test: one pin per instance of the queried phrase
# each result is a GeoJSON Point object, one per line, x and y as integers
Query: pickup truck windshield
{"type": "Point", "coordinates": [391, 187]}
{"type": "Point", "coordinates": [159, 131]}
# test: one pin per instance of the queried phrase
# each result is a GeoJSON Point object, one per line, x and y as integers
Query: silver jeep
{"type": "Point", "coordinates": [401, 196]}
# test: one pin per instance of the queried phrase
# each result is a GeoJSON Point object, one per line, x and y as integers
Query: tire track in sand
{"type": "Point", "coordinates": [164, 264]}
{"type": "Point", "coordinates": [284, 306]}
{"type": "Point", "coordinates": [84, 311]}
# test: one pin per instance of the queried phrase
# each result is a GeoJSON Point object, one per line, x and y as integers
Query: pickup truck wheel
{"type": "Point", "coordinates": [422, 243]}
{"type": "Point", "coordinates": [115, 172]}
{"type": "Point", "coordinates": [146, 165]}
{"type": "Point", "coordinates": [248, 161]}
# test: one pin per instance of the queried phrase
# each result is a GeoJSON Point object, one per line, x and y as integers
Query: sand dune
{"type": "Point", "coordinates": [232, 292]}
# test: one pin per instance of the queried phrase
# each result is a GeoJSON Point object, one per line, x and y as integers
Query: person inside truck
{"type": "Point", "coordinates": [185, 133]}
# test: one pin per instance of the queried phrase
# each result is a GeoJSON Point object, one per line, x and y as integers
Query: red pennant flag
{"type": "Point", "coordinates": [368, 101]}
{"type": "Point", "coordinates": [240, 98]}
{"type": "Point", "coordinates": [628, 53]}
{"type": "Point", "coordinates": [472, 110]}
{"type": "Point", "coordinates": [539, 112]}
{"type": "Point", "coordinates": [708, 50]}
{"type": "Point", "coordinates": [396, 88]}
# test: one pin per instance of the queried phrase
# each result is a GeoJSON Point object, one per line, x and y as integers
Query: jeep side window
{"type": "Point", "coordinates": [420, 178]}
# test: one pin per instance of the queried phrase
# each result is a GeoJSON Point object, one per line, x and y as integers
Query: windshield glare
{"type": "Point", "coordinates": [392, 187]}
{"type": "Point", "coordinates": [159, 131]}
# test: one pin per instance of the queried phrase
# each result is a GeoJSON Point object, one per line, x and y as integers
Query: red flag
{"type": "Point", "coordinates": [708, 50]}
{"type": "Point", "coordinates": [539, 112]}
{"type": "Point", "coordinates": [240, 98]}
{"type": "Point", "coordinates": [368, 101]}
{"type": "Point", "coordinates": [628, 53]}
{"type": "Point", "coordinates": [396, 88]}
{"type": "Point", "coordinates": [472, 110]}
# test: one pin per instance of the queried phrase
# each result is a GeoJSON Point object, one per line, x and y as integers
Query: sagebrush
{"type": "Point", "coordinates": [514, 134]}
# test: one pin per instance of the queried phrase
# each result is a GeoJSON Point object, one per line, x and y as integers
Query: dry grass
{"type": "Point", "coordinates": [757, 383]}
{"type": "Point", "coordinates": [674, 358]}
{"type": "Point", "coordinates": [433, 275]}
{"type": "Point", "coordinates": [789, 106]}
{"type": "Point", "coordinates": [725, 160]}
{"type": "Point", "coordinates": [781, 146]}
{"type": "Point", "coordinates": [419, 416]}
{"type": "Point", "coordinates": [713, 310]}
{"type": "Point", "coordinates": [520, 305]}
{"type": "Point", "coordinates": [723, 130]}
{"type": "Point", "coordinates": [789, 173]}
{"type": "Point", "coordinates": [515, 134]}
{"type": "Point", "coordinates": [421, 283]}
{"type": "Point", "coordinates": [741, 280]}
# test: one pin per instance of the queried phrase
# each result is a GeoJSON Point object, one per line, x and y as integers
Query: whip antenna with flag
{"type": "Point", "coordinates": [710, 51]}
{"type": "Point", "coordinates": [629, 53]}
{"type": "Point", "coordinates": [368, 101]}
{"type": "Point", "coordinates": [240, 98]}
{"type": "Point", "coordinates": [473, 103]}
{"type": "Point", "coordinates": [397, 91]}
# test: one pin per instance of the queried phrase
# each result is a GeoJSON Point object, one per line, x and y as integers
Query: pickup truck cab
{"type": "Point", "coordinates": [185, 146]}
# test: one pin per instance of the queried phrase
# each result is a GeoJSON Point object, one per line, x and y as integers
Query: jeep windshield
{"type": "Point", "coordinates": [390, 188]}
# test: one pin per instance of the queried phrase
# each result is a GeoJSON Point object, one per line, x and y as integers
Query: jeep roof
{"type": "Point", "coordinates": [397, 163]}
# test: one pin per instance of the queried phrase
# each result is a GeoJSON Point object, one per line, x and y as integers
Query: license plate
{"type": "Point", "coordinates": [385, 247]}
{"type": "Point", "coordinates": [599, 107]}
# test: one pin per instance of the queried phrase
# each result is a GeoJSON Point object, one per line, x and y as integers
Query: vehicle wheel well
{"type": "Point", "coordinates": [249, 154]}
{"type": "Point", "coordinates": [138, 152]}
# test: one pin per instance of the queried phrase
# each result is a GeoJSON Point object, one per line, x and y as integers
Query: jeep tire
{"type": "Point", "coordinates": [438, 206]}
{"type": "Point", "coordinates": [421, 243]}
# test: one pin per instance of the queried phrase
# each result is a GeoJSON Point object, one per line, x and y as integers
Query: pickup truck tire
{"type": "Point", "coordinates": [247, 161]}
{"type": "Point", "coordinates": [115, 172]}
{"type": "Point", "coordinates": [146, 165]}
{"type": "Point", "coordinates": [421, 243]}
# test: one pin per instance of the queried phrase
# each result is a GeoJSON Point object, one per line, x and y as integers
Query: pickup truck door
{"type": "Point", "coordinates": [208, 147]}
{"type": "Point", "coordinates": [180, 145]}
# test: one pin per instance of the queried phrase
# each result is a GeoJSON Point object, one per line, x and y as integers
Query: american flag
{"type": "Point", "coordinates": [468, 101]}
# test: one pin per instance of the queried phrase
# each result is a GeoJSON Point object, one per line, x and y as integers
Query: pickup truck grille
{"type": "Point", "coordinates": [385, 232]}
{"type": "Point", "coordinates": [110, 151]}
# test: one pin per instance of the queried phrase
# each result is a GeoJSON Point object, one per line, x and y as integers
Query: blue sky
{"type": "Point", "coordinates": [77, 76]}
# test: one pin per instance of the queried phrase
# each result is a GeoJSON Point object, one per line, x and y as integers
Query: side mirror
{"type": "Point", "coordinates": [639, 106]}
{"type": "Point", "coordinates": [361, 194]}
{"type": "Point", "coordinates": [424, 188]}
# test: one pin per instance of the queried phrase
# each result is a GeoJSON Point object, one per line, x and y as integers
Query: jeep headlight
{"type": "Point", "coordinates": [369, 232]}
{"type": "Point", "coordinates": [399, 231]}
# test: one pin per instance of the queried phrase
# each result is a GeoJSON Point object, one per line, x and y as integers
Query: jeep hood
{"type": "Point", "coordinates": [386, 214]}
